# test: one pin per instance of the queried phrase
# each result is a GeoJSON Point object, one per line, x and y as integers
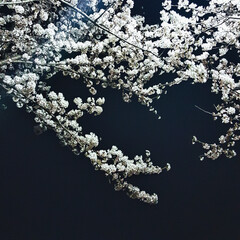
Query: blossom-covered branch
{"type": "Point", "coordinates": [114, 48]}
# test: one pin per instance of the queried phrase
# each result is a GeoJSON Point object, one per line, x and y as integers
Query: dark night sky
{"type": "Point", "coordinates": [47, 193]}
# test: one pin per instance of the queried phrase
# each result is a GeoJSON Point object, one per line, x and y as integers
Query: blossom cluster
{"type": "Point", "coordinates": [111, 47]}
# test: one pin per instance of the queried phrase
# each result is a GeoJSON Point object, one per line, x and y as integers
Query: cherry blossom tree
{"type": "Point", "coordinates": [103, 43]}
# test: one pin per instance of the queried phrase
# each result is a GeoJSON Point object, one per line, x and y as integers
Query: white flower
{"type": "Point", "coordinates": [98, 110]}
{"type": "Point", "coordinates": [26, 56]}
{"type": "Point", "coordinates": [168, 167]}
{"type": "Point", "coordinates": [64, 103]}
{"type": "Point", "coordinates": [78, 101]}
{"type": "Point", "coordinates": [225, 118]}
{"type": "Point", "coordinates": [207, 46]}
{"type": "Point", "coordinates": [52, 96]}
{"type": "Point", "coordinates": [92, 155]}
{"type": "Point", "coordinates": [43, 15]}
{"type": "Point", "coordinates": [231, 110]}
{"type": "Point", "coordinates": [167, 4]}
{"type": "Point", "coordinates": [223, 51]}
{"type": "Point", "coordinates": [183, 4]}
{"type": "Point", "coordinates": [19, 9]}
{"type": "Point", "coordinates": [2, 21]}
{"type": "Point", "coordinates": [74, 2]}
{"type": "Point", "coordinates": [227, 79]}
{"type": "Point", "coordinates": [38, 30]}
{"type": "Point", "coordinates": [104, 167]}
{"type": "Point", "coordinates": [222, 139]}
{"type": "Point", "coordinates": [100, 101]}
{"type": "Point", "coordinates": [8, 80]}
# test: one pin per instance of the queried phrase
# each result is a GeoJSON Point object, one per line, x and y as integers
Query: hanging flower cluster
{"type": "Point", "coordinates": [108, 46]}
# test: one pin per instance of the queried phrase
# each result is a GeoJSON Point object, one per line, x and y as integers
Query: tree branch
{"type": "Point", "coordinates": [103, 28]}
{"type": "Point", "coordinates": [18, 2]}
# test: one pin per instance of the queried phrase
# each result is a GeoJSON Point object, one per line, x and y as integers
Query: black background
{"type": "Point", "coordinates": [47, 193]}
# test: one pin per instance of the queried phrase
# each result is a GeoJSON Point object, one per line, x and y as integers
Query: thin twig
{"type": "Point", "coordinates": [203, 110]}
